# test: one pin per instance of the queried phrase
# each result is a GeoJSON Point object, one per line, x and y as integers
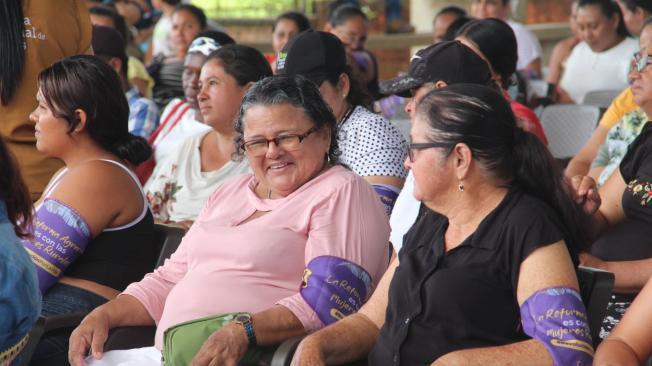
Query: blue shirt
{"type": "Point", "coordinates": [143, 114]}
{"type": "Point", "coordinates": [20, 298]}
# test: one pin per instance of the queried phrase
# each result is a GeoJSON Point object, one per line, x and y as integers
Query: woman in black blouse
{"type": "Point", "coordinates": [623, 221]}
{"type": "Point", "coordinates": [501, 229]}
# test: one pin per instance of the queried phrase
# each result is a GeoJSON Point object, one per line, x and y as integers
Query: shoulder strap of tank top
{"type": "Point", "coordinates": [145, 204]}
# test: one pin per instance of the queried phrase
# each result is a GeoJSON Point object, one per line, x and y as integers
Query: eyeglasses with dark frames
{"type": "Point", "coordinates": [288, 142]}
{"type": "Point", "coordinates": [421, 146]}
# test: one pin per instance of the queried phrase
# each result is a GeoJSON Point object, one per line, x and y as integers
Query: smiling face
{"type": "Point", "coordinates": [594, 28]}
{"type": "Point", "coordinates": [51, 132]}
{"type": "Point", "coordinates": [185, 27]}
{"type": "Point", "coordinates": [284, 30]}
{"type": "Point", "coordinates": [280, 171]}
{"type": "Point", "coordinates": [219, 96]}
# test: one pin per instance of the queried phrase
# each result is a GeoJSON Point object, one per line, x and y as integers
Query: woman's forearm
{"type": "Point", "coordinates": [613, 352]}
{"type": "Point", "coordinates": [631, 276]}
{"type": "Point", "coordinates": [123, 311]}
{"type": "Point", "coordinates": [531, 352]}
{"type": "Point", "coordinates": [275, 325]}
{"type": "Point", "coordinates": [347, 340]}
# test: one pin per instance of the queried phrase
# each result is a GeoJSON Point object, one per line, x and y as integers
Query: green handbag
{"type": "Point", "coordinates": [182, 341]}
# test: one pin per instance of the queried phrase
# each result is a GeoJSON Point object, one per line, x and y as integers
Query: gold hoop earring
{"type": "Point", "coordinates": [460, 186]}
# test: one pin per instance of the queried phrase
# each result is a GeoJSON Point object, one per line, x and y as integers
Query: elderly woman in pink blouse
{"type": "Point", "coordinates": [269, 243]}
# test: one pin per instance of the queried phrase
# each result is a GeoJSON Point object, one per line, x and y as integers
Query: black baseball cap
{"type": "Point", "coordinates": [108, 42]}
{"type": "Point", "coordinates": [315, 55]}
{"type": "Point", "coordinates": [451, 62]}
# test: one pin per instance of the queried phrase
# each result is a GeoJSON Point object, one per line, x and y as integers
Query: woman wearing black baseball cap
{"type": "Point", "coordinates": [371, 146]}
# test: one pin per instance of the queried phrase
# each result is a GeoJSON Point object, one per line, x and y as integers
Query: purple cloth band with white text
{"type": "Point", "coordinates": [388, 195]}
{"type": "Point", "coordinates": [557, 318]}
{"type": "Point", "coordinates": [334, 287]}
{"type": "Point", "coordinates": [60, 235]}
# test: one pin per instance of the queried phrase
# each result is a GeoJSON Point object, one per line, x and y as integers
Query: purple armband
{"type": "Point", "coordinates": [388, 195]}
{"type": "Point", "coordinates": [334, 287]}
{"type": "Point", "coordinates": [557, 318]}
{"type": "Point", "coordinates": [60, 235]}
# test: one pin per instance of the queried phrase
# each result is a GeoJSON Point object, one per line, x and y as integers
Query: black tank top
{"type": "Point", "coordinates": [117, 256]}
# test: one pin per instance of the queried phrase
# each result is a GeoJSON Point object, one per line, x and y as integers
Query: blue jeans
{"type": "Point", "coordinates": [62, 299]}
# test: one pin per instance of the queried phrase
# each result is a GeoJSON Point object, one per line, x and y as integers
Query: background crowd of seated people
{"type": "Point", "coordinates": [181, 184]}
{"type": "Point", "coordinates": [621, 105]}
{"type": "Point", "coordinates": [285, 27]}
{"type": "Point", "coordinates": [605, 46]}
{"type": "Point", "coordinates": [371, 146]}
{"type": "Point", "coordinates": [494, 40]}
{"type": "Point", "coordinates": [187, 21]}
{"type": "Point", "coordinates": [623, 133]}
{"type": "Point", "coordinates": [249, 247]}
{"type": "Point", "coordinates": [235, 193]}
{"type": "Point", "coordinates": [181, 118]}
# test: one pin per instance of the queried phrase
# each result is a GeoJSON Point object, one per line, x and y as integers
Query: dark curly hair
{"type": "Point", "coordinates": [297, 91]}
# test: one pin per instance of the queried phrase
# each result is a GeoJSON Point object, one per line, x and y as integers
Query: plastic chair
{"type": "Point", "coordinates": [167, 239]}
{"type": "Point", "coordinates": [600, 98]}
{"type": "Point", "coordinates": [595, 287]}
{"type": "Point", "coordinates": [568, 127]}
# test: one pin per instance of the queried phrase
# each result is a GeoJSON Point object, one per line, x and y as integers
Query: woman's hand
{"type": "Point", "coordinates": [585, 192]}
{"type": "Point", "coordinates": [308, 353]}
{"type": "Point", "coordinates": [91, 333]}
{"type": "Point", "coordinates": [224, 347]}
{"type": "Point", "coordinates": [588, 260]}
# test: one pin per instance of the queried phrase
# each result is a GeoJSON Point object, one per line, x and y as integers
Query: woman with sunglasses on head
{"type": "Point", "coordinates": [181, 118]}
{"type": "Point", "coordinates": [622, 208]}
{"type": "Point", "coordinates": [181, 184]}
{"type": "Point", "coordinates": [297, 244]}
{"type": "Point", "coordinates": [493, 253]}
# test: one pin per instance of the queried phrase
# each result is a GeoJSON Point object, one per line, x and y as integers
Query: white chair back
{"type": "Point", "coordinates": [601, 98]}
{"type": "Point", "coordinates": [568, 127]}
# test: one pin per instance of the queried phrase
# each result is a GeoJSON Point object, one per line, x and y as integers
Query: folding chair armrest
{"type": "Point", "coordinates": [285, 352]}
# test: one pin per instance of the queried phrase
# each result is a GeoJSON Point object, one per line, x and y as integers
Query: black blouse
{"type": "Point", "coordinates": [441, 302]}
{"type": "Point", "coordinates": [629, 240]}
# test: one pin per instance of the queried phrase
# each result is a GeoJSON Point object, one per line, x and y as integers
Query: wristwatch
{"type": "Point", "coordinates": [245, 320]}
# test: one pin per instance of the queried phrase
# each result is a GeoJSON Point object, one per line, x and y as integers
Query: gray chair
{"type": "Point", "coordinates": [568, 127]}
{"type": "Point", "coordinates": [167, 239]}
{"type": "Point", "coordinates": [600, 98]}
